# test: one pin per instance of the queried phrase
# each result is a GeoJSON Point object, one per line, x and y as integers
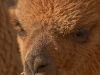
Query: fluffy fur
{"type": "Point", "coordinates": [53, 24]}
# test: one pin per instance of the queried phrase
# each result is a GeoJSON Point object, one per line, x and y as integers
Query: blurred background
{"type": "Point", "coordinates": [10, 61]}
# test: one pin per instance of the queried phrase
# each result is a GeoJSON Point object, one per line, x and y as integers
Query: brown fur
{"type": "Point", "coordinates": [51, 24]}
{"type": "Point", "coordinates": [10, 63]}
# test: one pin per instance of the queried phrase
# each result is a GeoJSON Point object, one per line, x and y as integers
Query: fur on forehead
{"type": "Point", "coordinates": [63, 15]}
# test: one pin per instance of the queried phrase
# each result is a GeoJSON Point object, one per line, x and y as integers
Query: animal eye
{"type": "Point", "coordinates": [20, 30]}
{"type": "Point", "coordinates": [81, 35]}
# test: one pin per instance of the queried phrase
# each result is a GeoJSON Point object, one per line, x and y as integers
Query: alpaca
{"type": "Point", "coordinates": [59, 37]}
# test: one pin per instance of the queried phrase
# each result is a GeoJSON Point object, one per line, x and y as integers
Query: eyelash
{"type": "Point", "coordinates": [81, 33]}
{"type": "Point", "coordinates": [80, 36]}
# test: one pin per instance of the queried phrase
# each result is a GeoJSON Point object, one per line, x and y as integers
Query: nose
{"type": "Point", "coordinates": [38, 64]}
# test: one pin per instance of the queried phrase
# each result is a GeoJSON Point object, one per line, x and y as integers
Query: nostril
{"type": "Point", "coordinates": [42, 66]}
{"type": "Point", "coordinates": [40, 63]}
{"type": "Point", "coordinates": [36, 64]}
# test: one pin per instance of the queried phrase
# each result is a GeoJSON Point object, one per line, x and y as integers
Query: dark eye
{"type": "Point", "coordinates": [82, 33]}
{"type": "Point", "coordinates": [20, 30]}
{"type": "Point", "coordinates": [81, 36]}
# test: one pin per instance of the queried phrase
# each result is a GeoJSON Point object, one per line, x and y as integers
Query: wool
{"type": "Point", "coordinates": [68, 31]}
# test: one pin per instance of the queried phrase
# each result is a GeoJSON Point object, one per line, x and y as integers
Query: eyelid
{"type": "Point", "coordinates": [85, 29]}
{"type": "Point", "coordinates": [80, 35]}
{"type": "Point", "coordinates": [84, 32]}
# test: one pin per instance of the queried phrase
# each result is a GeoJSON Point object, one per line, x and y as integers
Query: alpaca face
{"type": "Point", "coordinates": [59, 37]}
